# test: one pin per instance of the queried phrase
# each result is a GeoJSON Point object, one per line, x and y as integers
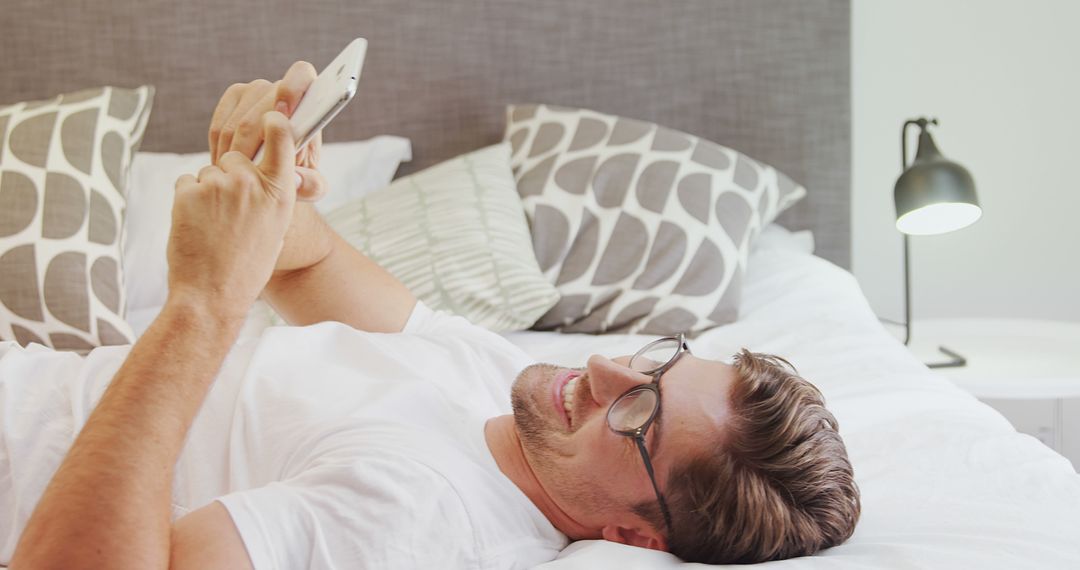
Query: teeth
{"type": "Point", "coordinates": [568, 394]}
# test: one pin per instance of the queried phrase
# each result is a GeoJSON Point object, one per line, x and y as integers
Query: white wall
{"type": "Point", "coordinates": [1003, 77]}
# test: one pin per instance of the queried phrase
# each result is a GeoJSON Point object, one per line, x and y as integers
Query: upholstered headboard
{"type": "Point", "coordinates": [769, 78]}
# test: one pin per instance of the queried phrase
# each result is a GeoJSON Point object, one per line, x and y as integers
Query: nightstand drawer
{"type": "Point", "coordinates": [1034, 417]}
{"type": "Point", "coordinates": [1028, 369]}
{"type": "Point", "coordinates": [1070, 432]}
{"type": "Point", "coordinates": [1055, 422]}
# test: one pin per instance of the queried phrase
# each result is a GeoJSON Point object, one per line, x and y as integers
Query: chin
{"type": "Point", "coordinates": [533, 414]}
{"type": "Point", "coordinates": [531, 382]}
{"type": "Point", "coordinates": [530, 374]}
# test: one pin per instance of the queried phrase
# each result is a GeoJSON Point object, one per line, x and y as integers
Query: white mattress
{"type": "Point", "coordinates": [946, 481]}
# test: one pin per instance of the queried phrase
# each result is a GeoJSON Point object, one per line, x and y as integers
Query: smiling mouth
{"type": "Point", "coordinates": [568, 394]}
{"type": "Point", "coordinates": [563, 388]}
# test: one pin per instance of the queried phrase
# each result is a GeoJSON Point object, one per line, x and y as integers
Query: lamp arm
{"type": "Point", "coordinates": [921, 122]}
{"type": "Point", "coordinates": [907, 293]}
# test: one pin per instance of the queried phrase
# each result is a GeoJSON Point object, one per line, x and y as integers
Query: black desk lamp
{"type": "Point", "coordinates": [933, 196]}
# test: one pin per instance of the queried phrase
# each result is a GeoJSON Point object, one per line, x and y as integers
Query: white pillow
{"type": "Point", "coordinates": [775, 236]}
{"type": "Point", "coordinates": [352, 169]}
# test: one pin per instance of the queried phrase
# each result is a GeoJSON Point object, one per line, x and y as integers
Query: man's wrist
{"type": "Point", "coordinates": [326, 248]}
{"type": "Point", "coordinates": [308, 241]}
{"type": "Point", "coordinates": [199, 310]}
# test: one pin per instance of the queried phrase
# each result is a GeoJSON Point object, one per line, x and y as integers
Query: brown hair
{"type": "Point", "coordinates": [779, 485]}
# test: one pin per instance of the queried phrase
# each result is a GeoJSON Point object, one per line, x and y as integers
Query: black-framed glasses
{"type": "Point", "coordinates": [632, 413]}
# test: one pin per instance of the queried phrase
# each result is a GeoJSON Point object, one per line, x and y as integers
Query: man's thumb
{"type": "Point", "coordinates": [312, 184]}
{"type": "Point", "coordinates": [280, 150]}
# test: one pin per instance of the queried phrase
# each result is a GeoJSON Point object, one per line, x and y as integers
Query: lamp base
{"type": "Point", "coordinates": [955, 359]}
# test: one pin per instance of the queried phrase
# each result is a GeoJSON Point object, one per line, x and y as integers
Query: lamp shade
{"type": "Point", "coordinates": [934, 195]}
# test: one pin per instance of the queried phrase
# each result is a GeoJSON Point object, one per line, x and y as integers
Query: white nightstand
{"type": "Point", "coordinates": [1028, 370]}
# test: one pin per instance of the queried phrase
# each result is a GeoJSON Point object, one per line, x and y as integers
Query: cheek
{"type": "Point", "coordinates": [607, 472]}
{"type": "Point", "coordinates": [606, 451]}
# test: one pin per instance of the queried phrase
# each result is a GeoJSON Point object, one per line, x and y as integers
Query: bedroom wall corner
{"type": "Point", "coordinates": [1001, 76]}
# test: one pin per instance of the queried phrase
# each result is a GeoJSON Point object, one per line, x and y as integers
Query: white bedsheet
{"type": "Point", "coordinates": [946, 481]}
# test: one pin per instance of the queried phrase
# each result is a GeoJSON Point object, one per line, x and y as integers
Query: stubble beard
{"type": "Point", "coordinates": [535, 430]}
{"type": "Point", "coordinates": [539, 437]}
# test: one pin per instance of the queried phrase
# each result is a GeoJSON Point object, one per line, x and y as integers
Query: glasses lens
{"type": "Point", "coordinates": [655, 355]}
{"type": "Point", "coordinates": [632, 410]}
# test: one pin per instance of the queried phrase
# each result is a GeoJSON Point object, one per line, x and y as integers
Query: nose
{"type": "Point", "coordinates": [609, 379]}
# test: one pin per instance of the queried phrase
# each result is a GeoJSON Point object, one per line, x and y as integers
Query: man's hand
{"type": "Point", "coordinates": [229, 223]}
{"type": "Point", "coordinates": [107, 505]}
{"type": "Point", "coordinates": [318, 276]}
{"type": "Point", "coordinates": [235, 126]}
{"type": "Point", "coordinates": [237, 122]}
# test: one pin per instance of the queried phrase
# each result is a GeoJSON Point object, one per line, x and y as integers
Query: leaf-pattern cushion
{"type": "Point", "coordinates": [641, 228]}
{"type": "Point", "coordinates": [63, 176]}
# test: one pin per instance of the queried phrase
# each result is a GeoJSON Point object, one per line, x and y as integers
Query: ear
{"type": "Point", "coordinates": [642, 537]}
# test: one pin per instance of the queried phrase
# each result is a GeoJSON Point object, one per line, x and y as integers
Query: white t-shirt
{"type": "Point", "coordinates": [330, 447]}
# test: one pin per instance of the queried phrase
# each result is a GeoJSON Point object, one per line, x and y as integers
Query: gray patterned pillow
{"type": "Point", "coordinates": [63, 172]}
{"type": "Point", "coordinates": [641, 228]}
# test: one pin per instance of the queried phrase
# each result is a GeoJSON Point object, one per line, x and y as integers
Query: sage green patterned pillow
{"type": "Point", "coordinates": [455, 234]}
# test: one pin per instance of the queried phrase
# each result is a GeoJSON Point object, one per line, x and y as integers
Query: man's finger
{"type": "Point", "coordinates": [212, 175]}
{"type": "Point", "coordinates": [293, 86]}
{"type": "Point", "coordinates": [249, 130]}
{"type": "Point", "coordinates": [279, 151]}
{"type": "Point", "coordinates": [185, 181]}
{"type": "Point", "coordinates": [232, 124]}
{"type": "Point", "coordinates": [309, 155]}
{"type": "Point", "coordinates": [208, 171]}
{"type": "Point", "coordinates": [312, 184]}
{"type": "Point", "coordinates": [224, 108]}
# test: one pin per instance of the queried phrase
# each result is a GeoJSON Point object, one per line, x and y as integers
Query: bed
{"type": "Point", "coordinates": [946, 481]}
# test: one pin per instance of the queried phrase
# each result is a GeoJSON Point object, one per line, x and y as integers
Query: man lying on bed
{"type": "Point", "coordinates": [335, 446]}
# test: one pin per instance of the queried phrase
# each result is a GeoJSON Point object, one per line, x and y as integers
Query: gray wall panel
{"type": "Point", "coordinates": [769, 78]}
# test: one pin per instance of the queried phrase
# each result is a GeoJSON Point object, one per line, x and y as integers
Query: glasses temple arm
{"type": "Point", "coordinates": [652, 478]}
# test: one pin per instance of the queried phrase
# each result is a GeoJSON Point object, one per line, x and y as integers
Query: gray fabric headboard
{"type": "Point", "coordinates": [769, 78]}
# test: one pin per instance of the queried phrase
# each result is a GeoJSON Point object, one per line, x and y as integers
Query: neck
{"type": "Point", "coordinates": [505, 446]}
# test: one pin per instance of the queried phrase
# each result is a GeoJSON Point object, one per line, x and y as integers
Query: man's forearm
{"type": "Point", "coordinates": [321, 277]}
{"type": "Point", "coordinates": [108, 505]}
{"type": "Point", "coordinates": [344, 286]}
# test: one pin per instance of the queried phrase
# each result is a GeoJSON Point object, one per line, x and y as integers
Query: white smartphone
{"type": "Point", "coordinates": [327, 95]}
